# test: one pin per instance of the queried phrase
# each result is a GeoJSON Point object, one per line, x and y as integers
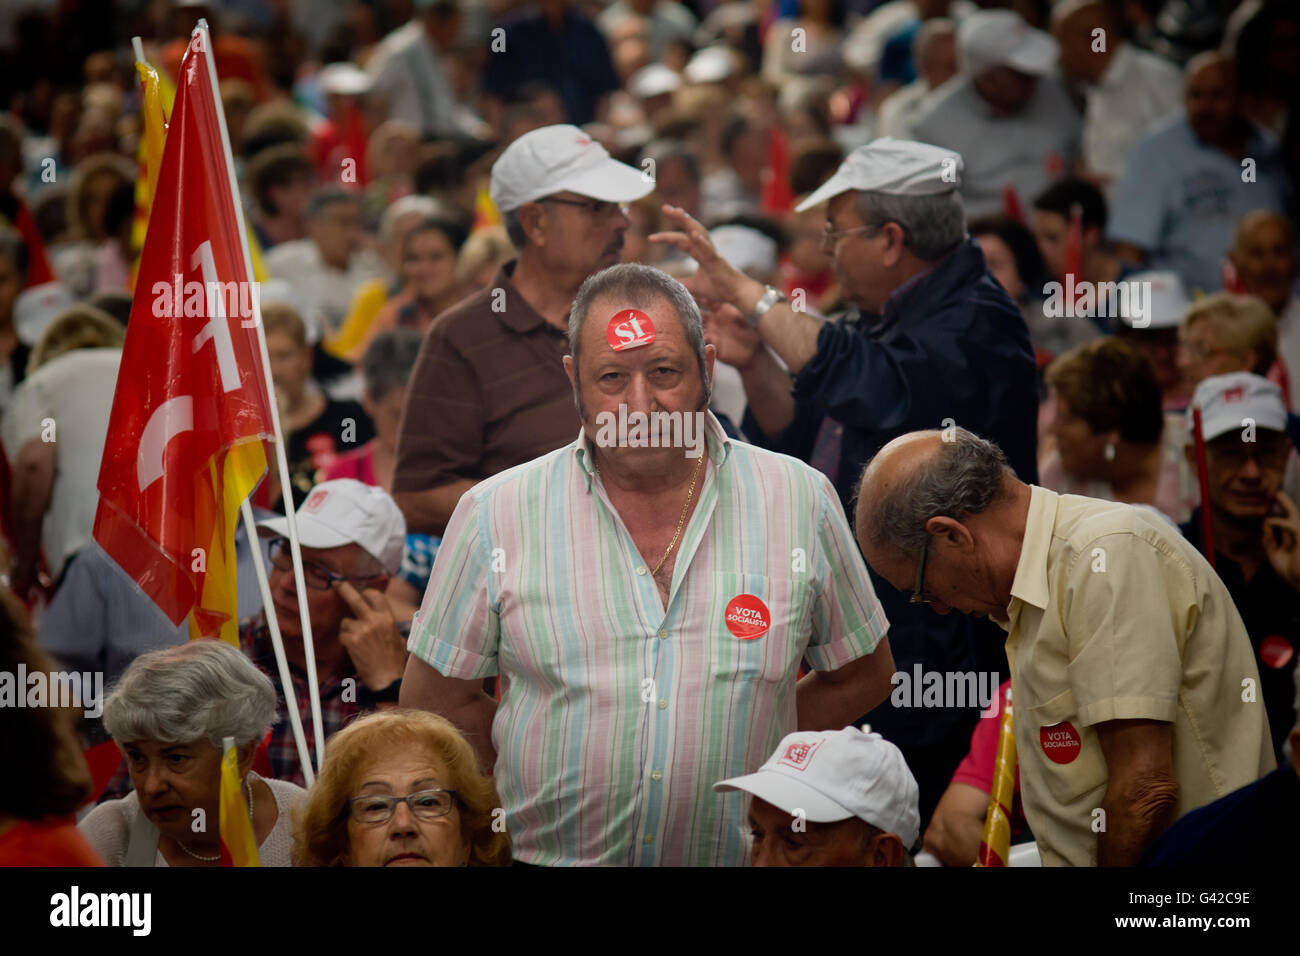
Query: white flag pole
{"type": "Point", "coordinates": [273, 623]}
{"type": "Point", "coordinates": [286, 486]}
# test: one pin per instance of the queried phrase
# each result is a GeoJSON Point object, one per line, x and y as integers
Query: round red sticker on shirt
{"type": "Point", "coordinates": [629, 329]}
{"type": "Point", "coordinates": [1060, 742]}
{"type": "Point", "coordinates": [747, 617]}
{"type": "Point", "coordinates": [1276, 651]}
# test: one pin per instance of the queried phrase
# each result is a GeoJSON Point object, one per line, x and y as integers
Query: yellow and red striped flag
{"type": "Point", "coordinates": [995, 838]}
{"type": "Point", "coordinates": [238, 842]}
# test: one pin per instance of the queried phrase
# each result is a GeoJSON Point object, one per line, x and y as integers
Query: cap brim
{"type": "Point", "coordinates": [787, 794]}
{"type": "Point", "coordinates": [1037, 57]}
{"type": "Point", "coordinates": [311, 533]}
{"type": "Point", "coordinates": [611, 181]}
{"type": "Point", "coordinates": [828, 190]}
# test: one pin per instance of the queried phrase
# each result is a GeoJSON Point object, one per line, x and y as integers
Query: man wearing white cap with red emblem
{"type": "Point", "coordinates": [352, 537]}
{"type": "Point", "coordinates": [1256, 526]}
{"type": "Point", "coordinates": [831, 798]}
{"type": "Point", "coordinates": [1008, 116]}
{"type": "Point", "coordinates": [488, 391]}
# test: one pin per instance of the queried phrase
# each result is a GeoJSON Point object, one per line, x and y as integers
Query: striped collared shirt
{"type": "Point", "coordinates": [617, 716]}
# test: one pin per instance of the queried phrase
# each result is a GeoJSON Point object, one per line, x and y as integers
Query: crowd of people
{"type": "Point", "coordinates": [988, 313]}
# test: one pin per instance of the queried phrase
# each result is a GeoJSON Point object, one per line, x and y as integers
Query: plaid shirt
{"type": "Point", "coordinates": [337, 713]}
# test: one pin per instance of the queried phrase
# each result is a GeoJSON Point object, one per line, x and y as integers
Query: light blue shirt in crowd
{"type": "Point", "coordinates": [1180, 200]}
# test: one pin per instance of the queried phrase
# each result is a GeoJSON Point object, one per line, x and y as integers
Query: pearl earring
{"type": "Point", "coordinates": [1109, 451]}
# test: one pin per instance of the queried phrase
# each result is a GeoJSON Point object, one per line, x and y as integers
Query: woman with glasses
{"type": "Point", "coordinates": [169, 714]}
{"type": "Point", "coordinates": [401, 788]}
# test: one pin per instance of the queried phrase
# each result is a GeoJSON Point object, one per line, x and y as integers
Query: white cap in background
{"type": "Point", "coordinates": [1226, 401]}
{"type": "Point", "coordinates": [833, 775]}
{"type": "Point", "coordinates": [562, 158]}
{"type": "Point", "coordinates": [1002, 38]}
{"type": "Point", "coordinates": [898, 167]}
{"type": "Point", "coordinates": [345, 511]}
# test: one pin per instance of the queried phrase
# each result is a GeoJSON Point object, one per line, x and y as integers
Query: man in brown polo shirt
{"type": "Point", "coordinates": [489, 391]}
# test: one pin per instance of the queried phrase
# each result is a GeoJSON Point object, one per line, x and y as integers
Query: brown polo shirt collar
{"type": "Point", "coordinates": [518, 314]}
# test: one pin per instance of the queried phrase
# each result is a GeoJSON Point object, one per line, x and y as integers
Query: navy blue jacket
{"type": "Point", "coordinates": [952, 346]}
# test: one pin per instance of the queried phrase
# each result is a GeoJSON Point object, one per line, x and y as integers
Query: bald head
{"type": "Point", "coordinates": [1263, 253]}
{"type": "Point", "coordinates": [949, 496]}
{"type": "Point", "coordinates": [1210, 98]}
{"type": "Point", "coordinates": [1088, 35]}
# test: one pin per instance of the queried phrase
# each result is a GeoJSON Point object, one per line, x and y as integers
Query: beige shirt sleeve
{"type": "Point", "coordinates": [1129, 608]}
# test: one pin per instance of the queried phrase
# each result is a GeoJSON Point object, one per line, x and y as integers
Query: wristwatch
{"type": "Point", "coordinates": [771, 296]}
{"type": "Point", "coordinates": [389, 695]}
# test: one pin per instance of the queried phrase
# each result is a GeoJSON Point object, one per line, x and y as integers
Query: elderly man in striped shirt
{"type": "Point", "coordinates": [646, 605]}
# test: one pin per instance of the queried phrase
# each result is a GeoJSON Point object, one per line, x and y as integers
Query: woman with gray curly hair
{"type": "Point", "coordinates": [169, 714]}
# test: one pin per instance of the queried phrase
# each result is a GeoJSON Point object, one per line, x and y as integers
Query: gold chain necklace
{"type": "Point", "coordinates": [690, 493]}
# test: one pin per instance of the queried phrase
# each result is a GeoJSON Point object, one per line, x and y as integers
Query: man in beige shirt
{"type": "Point", "coordinates": [1136, 692]}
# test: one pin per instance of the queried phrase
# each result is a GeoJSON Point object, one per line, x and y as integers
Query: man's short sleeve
{"type": "Point", "coordinates": [457, 630]}
{"type": "Point", "coordinates": [1129, 600]}
{"type": "Point", "coordinates": [441, 436]}
{"type": "Point", "coordinates": [1138, 213]}
{"type": "Point", "coordinates": [847, 621]}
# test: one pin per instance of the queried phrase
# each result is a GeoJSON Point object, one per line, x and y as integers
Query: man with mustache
{"type": "Point", "coordinates": [488, 390]}
{"type": "Point", "coordinates": [647, 607]}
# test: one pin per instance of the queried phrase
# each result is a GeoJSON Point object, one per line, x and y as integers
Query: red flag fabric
{"type": "Point", "coordinates": [777, 197]}
{"type": "Point", "coordinates": [191, 406]}
{"type": "Point", "coordinates": [1011, 203]}
{"type": "Point", "coordinates": [38, 264]}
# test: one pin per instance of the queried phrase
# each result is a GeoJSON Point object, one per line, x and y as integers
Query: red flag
{"type": "Point", "coordinates": [191, 406]}
{"type": "Point", "coordinates": [777, 197]}
{"type": "Point", "coordinates": [1011, 203]}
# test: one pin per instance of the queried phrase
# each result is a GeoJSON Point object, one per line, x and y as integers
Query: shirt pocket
{"type": "Point", "coordinates": [757, 627]}
{"type": "Point", "coordinates": [1069, 756]}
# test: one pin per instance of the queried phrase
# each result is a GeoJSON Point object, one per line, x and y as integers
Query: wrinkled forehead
{"type": "Point", "coordinates": [619, 326]}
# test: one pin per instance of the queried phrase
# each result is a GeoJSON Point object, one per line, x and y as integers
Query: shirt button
{"type": "Point", "coordinates": [656, 775]}
{"type": "Point", "coordinates": [648, 839]}
{"type": "Point", "coordinates": [663, 704]}
{"type": "Point", "coordinates": [640, 570]}
{"type": "Point", "coordinates": [663, 634]}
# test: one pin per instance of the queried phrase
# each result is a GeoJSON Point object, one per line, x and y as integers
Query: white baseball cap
{"type": "Point", "coordinates": [712, 64]}
{"type": "Point", "coordinates": [833, 775]}
{"type": "Point", "coordinates": [344, 79]}
{"type": "Point", "coordinates": [1226, 401]}
{"type": "Point", "coordinates": [36, 308]}
{"type": "Point", "coordinates": [345, 511]}
{"type": "Point", "coordinates": [898, 167]}
{"type": "Point", "coordinates": [653, 80]}
{"type": "Point", "coordinates": [1003, 38]}
{"type": "Point", "coordinates": [745, 248]}
{"type": "Point", "coordinates": [1153, 300]}
{"type": "Point", "coordinates": [557, 159]}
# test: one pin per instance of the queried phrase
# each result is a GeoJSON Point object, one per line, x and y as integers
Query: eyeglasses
{"type": "Point", "coordinates": [831, 237]}
{"type": "Point", "coordinates": [1267, 453]}
{"type": "Point", "coordinates": [314, 576]}
{"type": "Point", "coordinates": [378, 808]}
{"type": "Point", "coordinates": [918, 592]}
{"type": "Point", "coordinates": [597, 207]}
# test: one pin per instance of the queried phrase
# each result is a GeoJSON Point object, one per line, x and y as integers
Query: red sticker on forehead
{"type": "Point", "coordinates": [629, 329]}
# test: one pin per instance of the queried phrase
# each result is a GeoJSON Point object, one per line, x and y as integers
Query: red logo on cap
{"type": "Point", "coordinates": [1060, 742]}
{"type": "Point", "coordinates": [629, 329]}
{"type": "Point", "coordinates": [747, 617]}
{"type": "Point", "coordinates": [582, 141]}
{"type": "Point", "coordinates": [797, 755]}
{"type": "Point", "coordinates": [1235, 394]}
{"type": "Point", "coordinates": [316, 500]}
{"type": "Point", "coordinates": [1276, 651]}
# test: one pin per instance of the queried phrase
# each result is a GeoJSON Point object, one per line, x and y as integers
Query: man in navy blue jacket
{"type": "Point", "coordinates": [935, 342]}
